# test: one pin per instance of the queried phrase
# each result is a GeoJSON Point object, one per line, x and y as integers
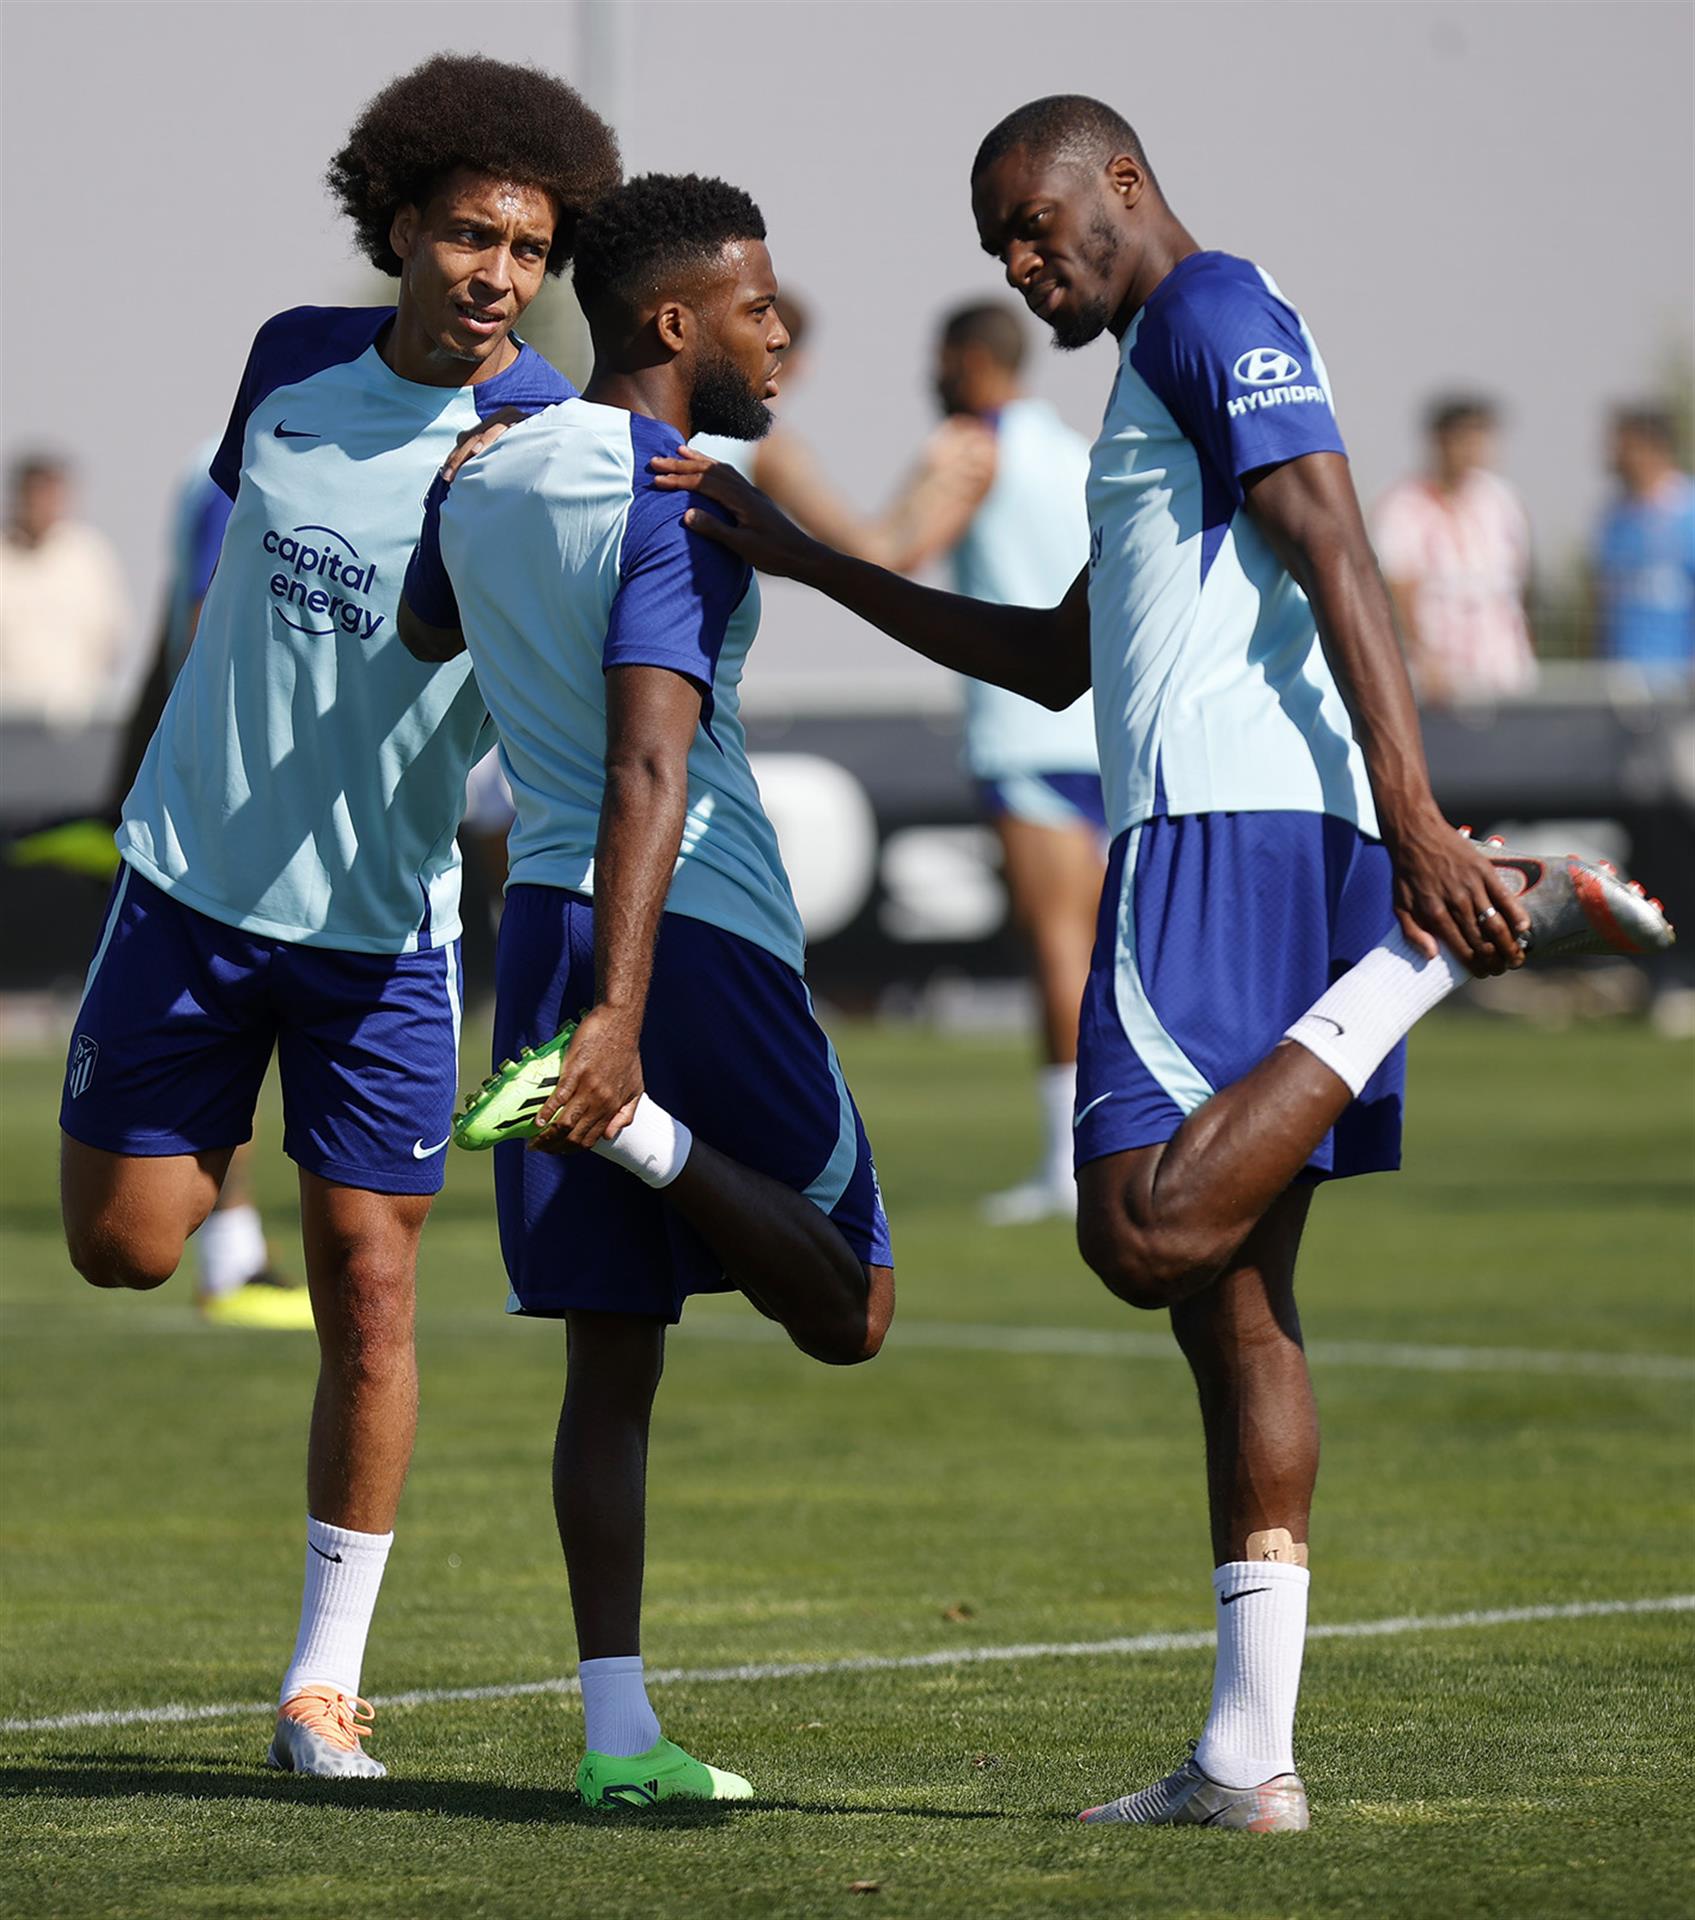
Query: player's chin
{"type": "Point", "coordinates": [473, 341]}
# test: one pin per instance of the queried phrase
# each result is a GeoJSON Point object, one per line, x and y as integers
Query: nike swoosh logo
{"type": "Point", "coordinates": [421, 1152]}
{"type": "Point", "coordinates": [1230, 1599]}
{"type": "Point", "coordinates": [336, 1557]}
{"type": "Point", "coordinates": [1080, 1118]}
{"type": "Point", "coordinates": [1340, 1029]}
{"type": "Point", "coordinates": [293, 433]}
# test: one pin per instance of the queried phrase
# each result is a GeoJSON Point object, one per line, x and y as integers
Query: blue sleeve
{"type": "Point", "coordinates": [676, 592]}
{"type": "Point", "coordinates": [206, 539]}
{"type": "Point", "coordinates": [1234, 367]}
{"type": "Point", "coordinates": [428, 591]}
{"type": "Point", "coordinates": [289, 347]}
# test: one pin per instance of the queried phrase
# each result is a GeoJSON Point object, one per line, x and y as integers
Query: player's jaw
{"type": "Point", "coordinates": [1059, 245]}
{"type": "Point", "coordinates": [741, 356]}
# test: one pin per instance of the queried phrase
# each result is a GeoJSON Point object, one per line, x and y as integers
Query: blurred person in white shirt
{"type": "Point", "coordinates": [1454, 544]}
{"type": "Point", "coordinates": [63, 609]}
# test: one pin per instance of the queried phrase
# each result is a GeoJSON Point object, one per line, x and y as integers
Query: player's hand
{"type": "Point", "coordinates": [960, 456]}
{"type": "Point", "coordinates": [600, 1081]}
{"type": "Point", "coordinates": [1447, 890]}
{"type": "Point", "coordinates": [761, 533]}
{"type": "Point", "coordinates": [479, 439]}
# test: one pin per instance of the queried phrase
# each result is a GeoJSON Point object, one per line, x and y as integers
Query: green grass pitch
{"type": "Point", "coordinates": [970, 1491]}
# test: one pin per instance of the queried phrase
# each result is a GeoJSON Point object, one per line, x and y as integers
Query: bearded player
{"type": "Point", "coordinates": [290, 880]}
{"type": "Point", "coordinates": [724, 1149]}
{"type": "Point", "coordinates": [1283, 898]}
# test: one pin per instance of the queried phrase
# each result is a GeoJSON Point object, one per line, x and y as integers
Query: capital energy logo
{"type": "Point", "coordinates": [316, 555]}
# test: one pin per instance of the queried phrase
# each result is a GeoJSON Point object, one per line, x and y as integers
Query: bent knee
{"type": "Point", "coordinates": [1151, 1269]}
{"type": "Point", "coordinates": [109, 1260]}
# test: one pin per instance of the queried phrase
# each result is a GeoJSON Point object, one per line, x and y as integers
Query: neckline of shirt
{"type": "Point", "coordinates": [434, 400]}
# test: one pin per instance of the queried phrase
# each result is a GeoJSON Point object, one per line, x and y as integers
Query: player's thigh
{"type": "Point", "coordinates": [368, 1057]}
{"type": "Point", "coordinates": [127, 1216]}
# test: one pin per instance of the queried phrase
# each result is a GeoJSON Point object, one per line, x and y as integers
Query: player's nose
{"type": "Point", "coordinates": [1022, 264]}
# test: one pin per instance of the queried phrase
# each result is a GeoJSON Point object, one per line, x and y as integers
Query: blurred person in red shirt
{"type": "Point", "coordinates": [63, 609]}
{"type": "Point", "coordinates": [1454, 543]}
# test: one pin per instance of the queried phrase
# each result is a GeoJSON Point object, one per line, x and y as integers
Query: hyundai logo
{"type": "Point", "coordinates": [1266, 367]}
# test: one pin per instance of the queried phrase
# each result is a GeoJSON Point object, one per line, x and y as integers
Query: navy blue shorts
{"type": "Point", "coordinates": [731, 1046]}
{"type": "Point", "coordinates": [1046, 799]}
{"type": "Point", "coordinates": [1216, 932]}
{"type": "Point", "coordinates": [180, 1016]}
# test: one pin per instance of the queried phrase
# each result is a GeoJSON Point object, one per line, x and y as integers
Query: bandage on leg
{"type": "Point", "coordinates": [1276, 1543]}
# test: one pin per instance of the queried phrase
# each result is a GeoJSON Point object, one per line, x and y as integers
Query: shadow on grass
{"type": "Point", "coordinates": [125, 1776]}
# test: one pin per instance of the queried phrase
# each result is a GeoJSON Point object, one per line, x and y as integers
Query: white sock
{"type": "Point", "coordinates": [1355, 1025]}
{"type": "Point", "coordinates": [1059, 1097]}
{"type": "Point", "coordinates": [229, 1248]}
{"type": "Point", "coordinates": [1262, 1630]}
{"type": "Point", "coordinates": [616, 1715]}
{"type": "Point", "coordinates": [654, 1147]}
{"type": "Point", "coordinates": [344, 1569]}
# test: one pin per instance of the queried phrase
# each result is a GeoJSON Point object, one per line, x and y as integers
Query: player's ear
{"type": "Point", "coordinates": [674, 323]}
{"type": "Point", "coordinates": [403, 230]}
{"type": "Point", "coordinates": [1125, 178]}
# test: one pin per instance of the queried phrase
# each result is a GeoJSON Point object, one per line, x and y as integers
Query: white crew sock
{"type": "Point", "coordinates": [616, 1716]}
{"type": "Point", "coordinates": [653, 1147]}
{"type": "Point", "coordinates": [1262, 1629]}
{"type": "Point", "coordinates": [344, 1570]}
{"type": "Point", "coordinates": [229, 1248]}
{"type": "Point", "coordinates": [1354, 1026]}
{"type": "Point", "coordinates": [1059, 1097]}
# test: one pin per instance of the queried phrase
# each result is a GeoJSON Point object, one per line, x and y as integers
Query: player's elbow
{"type": "Point", "coordinates": [431, 645]}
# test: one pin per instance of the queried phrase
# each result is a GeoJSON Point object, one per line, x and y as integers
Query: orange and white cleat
{"type": "Point", "coordinates": [1580, 906]}
{"type": "Point", "coordinates": [318, 1732]}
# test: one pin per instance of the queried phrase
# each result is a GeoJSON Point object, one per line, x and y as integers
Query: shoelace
{"type": "Point", "coordinates": [338, 1717]}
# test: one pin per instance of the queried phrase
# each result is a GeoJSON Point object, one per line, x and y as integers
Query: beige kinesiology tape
{"type": "Point", "coordinates": [1276, 1543]}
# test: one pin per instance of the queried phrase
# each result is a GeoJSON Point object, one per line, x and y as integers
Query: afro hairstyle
{"type": "Point", "coordinates": [653, 226]}
{"type": "Point", "coordinates": [463, 110]}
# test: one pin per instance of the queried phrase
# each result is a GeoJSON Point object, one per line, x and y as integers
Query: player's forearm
{"type": "Point", "coordinates": [641, 829]}
{"type": "Point", "coordinates": [1020, 648]}
{"type": "Point", "coordinates": [1357, 631]}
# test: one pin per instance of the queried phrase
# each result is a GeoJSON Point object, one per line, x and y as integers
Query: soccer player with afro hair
{"type": "Point", "coordinates": [289, 878]}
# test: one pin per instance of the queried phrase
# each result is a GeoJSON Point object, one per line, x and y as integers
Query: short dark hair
{"type": "Point", "coordinates": [1647, 423]}
{"type": "Point", "coordinates": [30, 467]}
{"type": "Point", "coordinates": [1063, 126]}
{"type": "Point", "coordinates": [992, 325]}
{"type": "Point", "coordinates": [652, 227]}
{"type": "Point", "coordinates": [502, 121]}
{"type": "Point", "coordinates": [1453, 410]}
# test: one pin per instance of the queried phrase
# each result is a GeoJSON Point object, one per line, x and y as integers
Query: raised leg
{"type": "Point", "coordinates": [127, 1217]}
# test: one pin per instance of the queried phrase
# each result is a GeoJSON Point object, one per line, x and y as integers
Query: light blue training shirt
{"type": "Point", "coordinates": [1026, 544]}
{"type": "Point", "coordinates": [1212, 693]}
{"type": "Point", "coordinates": [559, 559]}
{"type": "Point", "coordinates": [199, 514]}
{"type": "Point", "coordinates": [308, 774]}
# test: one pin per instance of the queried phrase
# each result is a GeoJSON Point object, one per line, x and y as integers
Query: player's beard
{"type": "Point", "coordinates": [725, 401]}
{"type": "Point", "coordinates": [1087, 320]}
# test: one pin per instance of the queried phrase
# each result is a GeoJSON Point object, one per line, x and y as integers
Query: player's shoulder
{"type": "Point", "coordinates": [530, 383]}
{"type": "Point", "coordinates": [1206, 297]}
{"type": "Point", "coordinates": [655, 527]}
{"type": "Point", "coordinates": [312, 337]}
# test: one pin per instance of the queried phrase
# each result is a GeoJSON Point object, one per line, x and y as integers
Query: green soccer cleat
{"type": "Point", "coordinates": [505, 1106]}
{"type": "Point", "coordinates": [664, 1772]}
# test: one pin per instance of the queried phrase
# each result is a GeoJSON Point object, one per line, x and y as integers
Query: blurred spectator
{"type": "Point", "coordinates": [1645, 551]}
{"type": "Point", "coordinates": [1454, 543]}
{"type": "Point", "coordinates": [62, 605]}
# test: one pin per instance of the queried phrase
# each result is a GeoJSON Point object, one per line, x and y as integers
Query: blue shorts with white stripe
{"type": "Point", "coordinates": [180, 1016]}
{"type": "Point", "coordinates": [731, 1046]}
{"type": "Point", "coordinates": [1216, 931]}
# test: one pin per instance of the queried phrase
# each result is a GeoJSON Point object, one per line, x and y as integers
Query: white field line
{"type": "Point", "coordinates": [1082, 1343]}
{"type": "Point", "coordinates": [883, 1663]}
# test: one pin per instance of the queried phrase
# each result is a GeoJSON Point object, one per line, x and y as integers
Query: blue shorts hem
{"type": "Point", "coordinates": [145, 1143]}
{"type": "Point", "coordinates": [339, 1173]}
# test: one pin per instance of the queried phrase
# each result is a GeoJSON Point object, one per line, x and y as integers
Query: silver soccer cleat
{"type": "Point", "coordinates": [318, 1732]}
{"type": "Point", "coordinates": [1188, 1798]}
{"type": "Point", "coordinates": [1580, 906]}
